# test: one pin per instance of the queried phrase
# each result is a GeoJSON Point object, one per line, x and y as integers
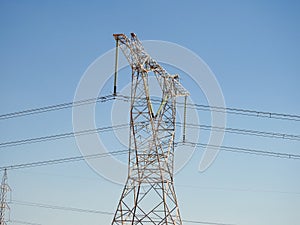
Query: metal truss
{"type": "Point", "coordinates": [3, 201]}
{"type": "Point", "coordinates": [149, 195]}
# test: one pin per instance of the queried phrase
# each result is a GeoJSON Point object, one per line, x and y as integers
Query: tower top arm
{"type": "Point", "coordinates": [141, 61]}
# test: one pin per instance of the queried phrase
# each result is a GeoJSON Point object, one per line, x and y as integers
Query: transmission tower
{"type": "Point", "coordinates": [3, 201]}
{"type": "Point", "coordinates": [149, 195]}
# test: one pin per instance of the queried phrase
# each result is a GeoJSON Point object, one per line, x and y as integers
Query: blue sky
{"type": "Point", "coordinates": [251, 46]}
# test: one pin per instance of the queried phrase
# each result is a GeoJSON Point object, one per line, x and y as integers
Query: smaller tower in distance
{"type": "Point", "coordinates": [5, 189]}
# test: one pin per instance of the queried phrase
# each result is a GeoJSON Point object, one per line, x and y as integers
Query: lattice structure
{"type": "Point", "coordinates": [149, 195]}
{"type": "Point", "coordinates": [3, 201]}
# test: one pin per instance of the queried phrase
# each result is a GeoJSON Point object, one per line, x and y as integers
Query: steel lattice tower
{"type": "Point", "coordinates": [149, 195]}
{"type": "Point", "coordinates": [3, 201]}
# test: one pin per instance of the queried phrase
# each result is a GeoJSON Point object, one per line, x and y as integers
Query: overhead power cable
{"type": "Point", "coordinates": [120, 152]}
{"type": "Point", "coordinates": [201, 107]}
{"type": "Point", "coordinates": [61, 136]}
{"type": "Point", "coordinates": [47, 206]}
{"type": "Point", "coordinates": [235, 189]}
{"type": "Point", "coordinates": [23, 222]}
{"type": "Point", "coordinates": [56, 107]}
{"type": "Point", "coordinates": [230, 110]}
{"type": "Point", "coordinates": [205, 222]}
{"type": "Point", "coordinates": [80, 210]}
{"type": "Point", "coordinates": [244, 112]}
{"type": "Point", "coordinates": [62, 160]}
{"type": "Point", "coordinates": [121, 126]}
{"type": "Point", "coordinates": [243, 150]}
{"type": "Point", "coordinates": [245, 131]}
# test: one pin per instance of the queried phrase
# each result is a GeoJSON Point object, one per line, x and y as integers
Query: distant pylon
{"type": "Point", "coordinates": [149, 194]}
{"type": "Point", "coordinates": [3, 201]}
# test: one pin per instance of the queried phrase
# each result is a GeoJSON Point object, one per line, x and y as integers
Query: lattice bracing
{"type": "Point", "coordinates": [149, 196]}
{"type": "Point", "coordinates": [4, 208]}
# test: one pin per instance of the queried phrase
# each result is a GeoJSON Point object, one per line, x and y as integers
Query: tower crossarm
{"type": "Point", "coordinates": [141, 61]}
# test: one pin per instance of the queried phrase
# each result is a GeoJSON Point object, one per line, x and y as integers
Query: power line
{"type": "Point", "coordinates": [234, 189]}
{"type": "Point", "coordinates": [121, 126]}
{"type": "Point", "coordinates": [120, 152]}
{"type": "Point", "coordinates": [47, 206]}
{"type": "Point", "coordinates": [205, 222]}
{"type": "Point", "coordinates": [62, 160]}
{"type": "Point", "coordinates": [235, 111]}
{"type": "Point", "coordinates": [245, 131]}
{"type": "Point", "coordinates": [23, 222]}
{"type": "Point", "coordinates": [243, 150]}
{"type": "Point", "coordinates": [245, 112]}
{"type": "Point", "coordinates": [230, 110]}
{"type": "Point", "coordinates": [55, 107]}
{"type": "Point", "coordinates": [80, 210]}
{"type": "Point", "coordinates": [60, 136]}
{"type": "Point", "coordinates": [178, 185]}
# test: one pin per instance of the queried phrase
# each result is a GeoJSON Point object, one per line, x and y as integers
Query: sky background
{"type": "Point", "coordinates": [253, 49]}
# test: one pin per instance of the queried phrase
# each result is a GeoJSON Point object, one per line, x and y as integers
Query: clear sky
{"type": "Point", "coordinates": [251, 46]}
